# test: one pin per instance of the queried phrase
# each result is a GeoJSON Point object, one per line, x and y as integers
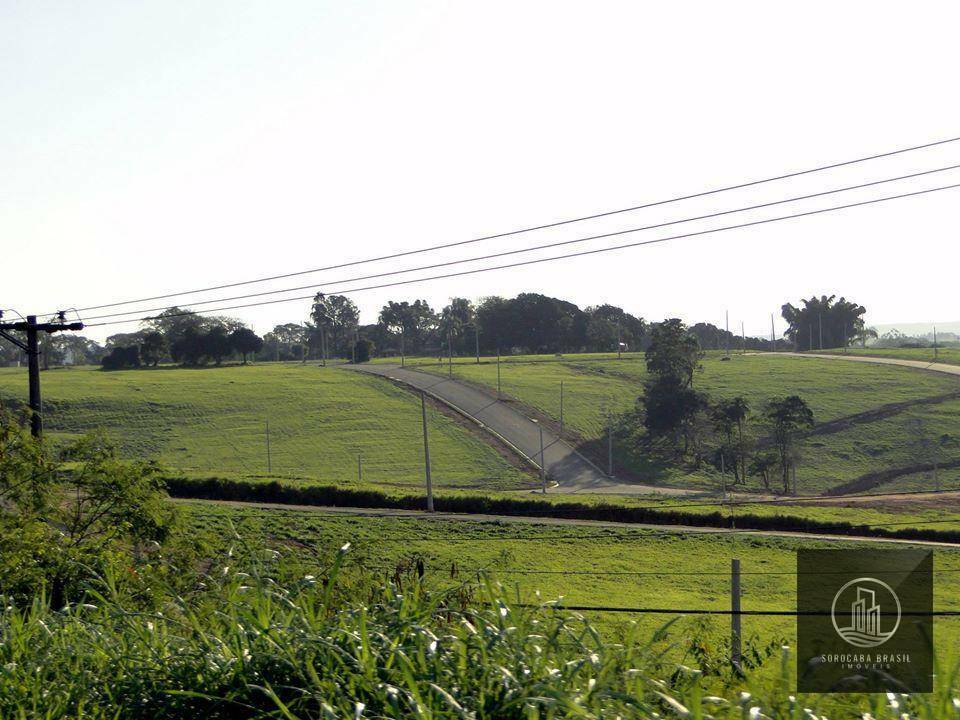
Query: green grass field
{"type": "Point", "coordinates": [213, 421]}
{"type": "Point", "coordinates": [595, 386]}
{"type": "Point", "coordinates": [578, 564]}
{"type": "Point", "coordinates": [949, 356]}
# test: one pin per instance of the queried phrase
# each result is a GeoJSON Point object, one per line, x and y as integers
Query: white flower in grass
{"type": "Point", "coordinates": [754, 712]}
{"type": "Point", "coordinates": [432, 648]}
{"type": "Point", "coordinates": [359, 707]}
{"type": "Point", "coordinates": [866, 716]}
{"type": "Point", "coordinates": [956, 703]}
{"type": "Point", "coordinates": [149, 626]}
{"type": "Point", "coordinates": [247, 657]}
{"type": "Point", "coordinates": [744, 697]}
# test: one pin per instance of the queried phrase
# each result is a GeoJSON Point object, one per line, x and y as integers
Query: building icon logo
{"type": "Point", "coordinates": [866, 612]}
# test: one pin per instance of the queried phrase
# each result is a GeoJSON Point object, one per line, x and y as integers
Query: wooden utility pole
{"type": "Point", "coordinates": [773, 335]}
{"type": "Point", "coordinates": [32, 328]}
{"type": "Point", "coordinates": [476, 338]}
{"type": "Point", "coordinates": [743, 339]}
{"type": "Point", "coordinates": [820, 323]}
{"type": "Point", "coordinates": [498, 373]}
{"type": "Point", "coordinates": [735, 629]}
{"type": "Point", "coordinates": [543, 462]}
{"type": "Point", "coordinates": [426, 451]}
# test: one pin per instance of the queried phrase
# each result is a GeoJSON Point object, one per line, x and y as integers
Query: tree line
{"type": "Point", "coordinates": [527, 323]}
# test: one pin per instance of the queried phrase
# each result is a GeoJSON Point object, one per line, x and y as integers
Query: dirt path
{"type": "Point", "coordinates": [526, 520]}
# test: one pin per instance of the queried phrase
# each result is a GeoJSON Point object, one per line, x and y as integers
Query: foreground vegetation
{"type": "Point", "coordinates": [117, 604]}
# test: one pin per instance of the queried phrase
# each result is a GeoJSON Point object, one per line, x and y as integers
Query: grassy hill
{"type": "Point", "coordinates": [212, 421]}
{"type": "Point", "coordinates": [863, 434]}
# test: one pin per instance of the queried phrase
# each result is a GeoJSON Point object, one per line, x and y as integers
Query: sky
{"type": "Point", "coordinates": [155, 147]}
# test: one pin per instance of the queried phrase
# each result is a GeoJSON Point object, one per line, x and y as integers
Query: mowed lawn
{"type": "Point", "coordinates": [213, 422]}
{"type": "Point", "coordinates": [580, 565]}
{"type": "Point", "coordinates": [595, 387]}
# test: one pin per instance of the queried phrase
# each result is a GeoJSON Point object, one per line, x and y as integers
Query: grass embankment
{"type": "Point", "coordinates": [877, 438]}
{"type": "Point", "coordinates": [214, 421]}
{"type": "Point", "coordinates": [948, 355]}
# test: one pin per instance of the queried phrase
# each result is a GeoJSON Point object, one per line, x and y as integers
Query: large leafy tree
{"type": "Point", "coordinates": [823, 322]}
{"type": "Point", "coordinates": [410, 324]}
{"type": "Point", "coordinates": [729, 417]}
{"type": "Point", "coordinates": [672, 408]}
{"type": "Point", "coordinates": [152, 348]}
{"type": "Point", "coordinates": [337, 316]}
{"type": "Point", "coordinates": [606, 324]}
{"type": "Point", "coordinates": [673, 354]}
{"type": "Point", "coordinates": [246, 342]}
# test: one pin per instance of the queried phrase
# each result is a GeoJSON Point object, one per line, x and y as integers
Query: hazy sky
{"type": "Point", "coordinates": [150, 147]}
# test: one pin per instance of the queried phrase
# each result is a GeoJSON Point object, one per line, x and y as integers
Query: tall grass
{"type": "Point", "coordinates": [240, 642]}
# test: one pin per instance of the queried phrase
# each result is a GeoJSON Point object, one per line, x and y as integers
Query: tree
{"type": "Point", "coordinates": [121, 358]}
{"type": "Point", "coordinates": [455, 318]}
{"type": "Point", "coordinates": [787, 417]}
{"type": "Point", "coordinates": [188, 347]}
{"type": "Point", "coordinates": [673, 354]}
{"type": "Point", "coordinates": [673, 411]}
{"type": "Point", "coordinates": [608, 324]}
{"type": "Point", "coordinates": [729, 417]}
{"type": "Point", "coordinates": [245, 341]}
{"type": "Point", "coordinates": [362, 350]}
{"type": "Point", "coordinates": [762, 464]}
{"type": "Point", "coordinates": [412, 322]}
{"type": "Point", "coordinates": [822, 323]}
{"type": "Point", "coordinates": [153, 346]}
{"type": "Point", "coordinates": [337, 316]}
{"type": "Point", "coordinates": [215, 344]}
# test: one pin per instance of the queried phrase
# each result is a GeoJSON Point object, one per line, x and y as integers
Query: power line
{"type": "Point", "coordinates": [555, 257]}
{"type": "Point", "coordinates": [697, 611]}
{"type": "Point", "coordinates": [534, 248]}
{"type": "Point", "coordinates": [533, 228]}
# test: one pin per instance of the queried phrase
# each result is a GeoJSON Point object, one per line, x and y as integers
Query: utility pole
{"type": "Point", "coordinates": [32, 348]}
{"type": "Point", "coordinates": [820, 323]}
{"type": "Point", "coordinates": [743, 339]}
{"type": "Point", "coordinates": [773, 335]}
{"type": "Point", "coordinates": [935, 355]}
{"type": "Point", "coordinates": [810, 332]}
{"type": "Point", "coordinates": [561, 408]}
{"type": "Point", "coordinates": [619, 340]}
{"type": "Point", "coordinates": [269, 469]}
{"type": "Point", "coordinates": [543, 462]}
{"type": "Point", "coordinates": [609, 447]}
{"type": "Point", "coordinates": [735, 629]}
{"type": "Point", "coordinates": [426, 451]}
{"type": "Point", "coordinates": [498, 373]}
{"type": "Point", "coordinates": [323, 345]}
{"type": "Point", "coordinates": [476, 338]}
{"type": "Point", "coordinates": [726, 338]}
{"type": "Point", "coordinates": [403, 351]}
{"type": "Point", "coordinates": [449, 354]}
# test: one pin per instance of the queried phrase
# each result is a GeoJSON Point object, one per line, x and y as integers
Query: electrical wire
{"type": "Point", "coordinates": [581, 253]}
{"type": "Point", "coordinates": [534, 248]}
{"type": "Point", "coordinates": [533, 228]}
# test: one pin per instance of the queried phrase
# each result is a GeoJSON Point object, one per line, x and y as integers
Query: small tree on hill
{"type": "Point", "coordinates": [729, 417]}
{"type": "Point", "coordinates": [788, 416]}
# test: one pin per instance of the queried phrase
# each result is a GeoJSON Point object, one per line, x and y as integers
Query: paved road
{"type": "Point", "coordinates": [570, 471]}
{"type": "Point", "coordinates": [917, 364]}
{"type": "Point", "coordinates": [526, 520]}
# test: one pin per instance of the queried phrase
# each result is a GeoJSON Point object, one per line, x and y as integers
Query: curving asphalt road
{"type": "Point", "coordinates": [569, 471]}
